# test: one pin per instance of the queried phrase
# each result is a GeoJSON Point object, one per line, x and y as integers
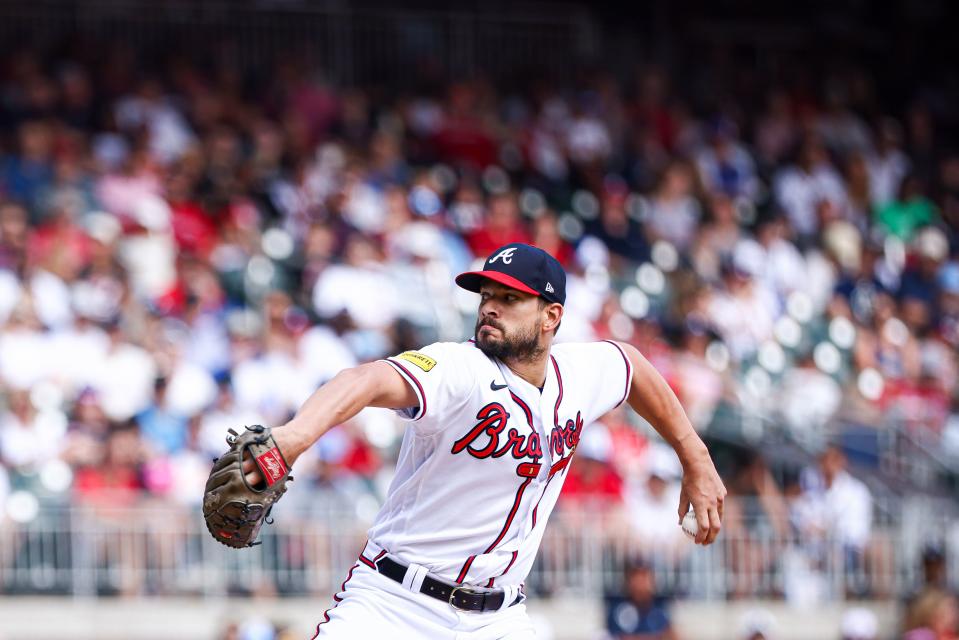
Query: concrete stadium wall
{"type": "Point", "coordinates": [559, 619]}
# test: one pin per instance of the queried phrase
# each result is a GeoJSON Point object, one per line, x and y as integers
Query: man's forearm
{"type": "Point", "coordinates": [671, 423]}
{"type": "Point", "coordinates": [651, 397]}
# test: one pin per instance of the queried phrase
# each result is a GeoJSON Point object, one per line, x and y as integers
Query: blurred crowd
{"type": "Point", "coordinates": [184, 249]}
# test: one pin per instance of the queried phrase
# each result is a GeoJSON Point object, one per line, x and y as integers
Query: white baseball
{"type": "Point", "coordinates": [690, 524]}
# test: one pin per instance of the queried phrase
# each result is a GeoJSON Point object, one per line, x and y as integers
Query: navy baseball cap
{"type": "Point", "coordinates": [523, 267]}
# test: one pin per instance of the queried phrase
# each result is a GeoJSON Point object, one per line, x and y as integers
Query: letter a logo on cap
{"type": "Point", "coordinates": [505, 254]}
{"type": "Point", "coordinates": [549, 288]}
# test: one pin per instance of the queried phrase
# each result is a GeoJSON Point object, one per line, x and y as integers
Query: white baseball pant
{"type": "Point", "coordinates": [370, 606]}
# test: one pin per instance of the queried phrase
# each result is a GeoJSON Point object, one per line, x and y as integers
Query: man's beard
{"type": "Point", "coordinates": [519, 345]}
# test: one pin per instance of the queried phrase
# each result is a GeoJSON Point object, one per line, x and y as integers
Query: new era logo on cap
{"type": "Point", "coordinates": [523, 267]}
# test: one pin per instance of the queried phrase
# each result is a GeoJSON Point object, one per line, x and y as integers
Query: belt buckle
{"type": "Point", "coordinates": [466, 590]}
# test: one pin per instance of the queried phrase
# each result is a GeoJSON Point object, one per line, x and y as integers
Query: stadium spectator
{"type": "Point", "coordinates": [593, 484]}
{"type": "Point", "coordinates": [651, 508]}
{"type": "Point", "coordinates": [641, 612]}
{"type": "Point", "coordinates": [29, 438]}
{"type": "Point", "coordinates": [674, 212]}
{"type": "Point", "coordinates": [909, 211]}
{"type": "Point", "coordinates": [834, 508]}
{"type": "Point", "coordinates": [802, 188]}
{"type": "Point", "coordinates": [756, 516]}
{"type": "Point", "coordinates": [933, 616]}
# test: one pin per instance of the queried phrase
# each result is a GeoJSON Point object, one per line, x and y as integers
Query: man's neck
{"type": "Point", "coordinates": [532, 371]}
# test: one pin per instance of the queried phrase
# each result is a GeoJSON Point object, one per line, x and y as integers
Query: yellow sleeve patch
{"type": "Point", "coordinates": [421, 360]}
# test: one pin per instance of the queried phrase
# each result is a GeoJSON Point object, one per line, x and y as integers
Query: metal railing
{"type": "Point", "coordinates": [166, 550]}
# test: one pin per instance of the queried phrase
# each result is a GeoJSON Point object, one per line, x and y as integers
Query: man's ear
{"type": "Point", "coordinates": [554, 315]}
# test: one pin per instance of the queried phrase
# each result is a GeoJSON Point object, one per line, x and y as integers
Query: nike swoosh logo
{"type": "Point", "coordinates": [497, 387]}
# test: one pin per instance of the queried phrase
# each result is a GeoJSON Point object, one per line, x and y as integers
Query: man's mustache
{"type": "Point", "coordinates": [487, 321]}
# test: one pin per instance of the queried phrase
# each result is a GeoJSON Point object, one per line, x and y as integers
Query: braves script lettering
{"type": "Point", "coordinates": [485, 440]}
{"type": "Point", "coordinates": [567, 437]}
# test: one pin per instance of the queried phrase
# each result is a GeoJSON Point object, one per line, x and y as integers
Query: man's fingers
{"type": "Point", "coordinates": [683, 506]}
{"type": "Point", "coordinates": [715, 524]}
{"type": "Point", "coordinates": [702, 519]}
{"type": "Point", "coordinates": [250, 470]}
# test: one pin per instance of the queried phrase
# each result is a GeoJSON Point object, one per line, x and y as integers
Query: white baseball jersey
{"type": "Point", "coordinates": [482, 465]}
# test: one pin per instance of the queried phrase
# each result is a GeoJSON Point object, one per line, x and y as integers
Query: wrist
{"type": "Point", "coordinates": [291, 441]}
{"type": "Point", "coordinates": [691, 449]}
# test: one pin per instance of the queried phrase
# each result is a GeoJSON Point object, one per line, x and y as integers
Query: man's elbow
{"type": "Point", "coordinates": [357, 384]}
{"type": "Point", "coordinates": [376, 384]}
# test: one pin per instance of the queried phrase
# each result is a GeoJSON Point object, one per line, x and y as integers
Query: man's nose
{"type": "Point", "coordinates": [489, 308]}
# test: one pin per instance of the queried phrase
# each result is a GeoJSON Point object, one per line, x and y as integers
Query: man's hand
{"type": "Point", "coordinates": [703, 488]}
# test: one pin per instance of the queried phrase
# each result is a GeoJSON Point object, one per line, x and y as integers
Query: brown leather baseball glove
{"type": "Point", "coordinates": [234, 511]}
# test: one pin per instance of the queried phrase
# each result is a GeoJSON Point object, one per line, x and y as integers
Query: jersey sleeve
{"type": "Point", "coordinates": [441, 379]}
{"type": "Point", "coordinates": [604, 375]}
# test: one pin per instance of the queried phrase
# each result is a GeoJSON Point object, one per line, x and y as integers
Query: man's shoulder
{"type": "Point", "coordinates": [430, 355]}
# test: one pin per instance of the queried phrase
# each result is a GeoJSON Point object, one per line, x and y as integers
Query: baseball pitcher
{"type": "Point", "coordinates": [493, 426]}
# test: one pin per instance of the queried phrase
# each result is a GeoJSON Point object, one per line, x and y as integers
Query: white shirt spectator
{"type": "Point", "coordinates": [364, 208]}
{"type": "Point", "coordinates": [365, 293]}
{"type": "Point", "coordinates": [584, 303]}
{"type": "Point", "coordinates": [820, 279]}
{"type": "Point", "coordinates": [809, 398]}
{"type": "Point", "coordinates": [189, 471]}
{"type": "Point", "coordinates": [849, 509]}
{"type": "Point", "coordinates": [120, 193]}
{"type": "Point", "coordinates": [170, 135]}
{"type": "Point", "coordinates": [652, 514]}
{"type": "Point", "coordinates": [270, 385]}
{"type": "Point", "coordinates": [25, 357]}
{"type": "Point", "coordinates": [208, 344]}
{"type": "Point", "coordinates": [886, 173]}
{"type": "Point", "coordinates": [191, 389]}
{"type": "Point", "coordinates": [97, 298]}
{"type": "Point", "coordinates": [744, 318]}
{"type": "Point", "coordinates": [215, 425]}
{"type": "Point", "coordinates": [322, 355]}
{"type": "Point", "coordinates": [10, 293]}
{"type": "Point", "coordinates": [675, 220]}
{"type": "Point", "coordinates": [124, 380]}
{"type": "Point", "coordinates": [843, 511]}
{"type": "Point", "coordinates": [799, 193]}
{"type": "Point", "coordinates": [546, 155]}
{"type": "Point", "coordinates": [51, 299]}
{"type": "Point", "coordinates": [29, 445]}
{"type": "Point", "coordinates": [652, 517]}
{"type": "Point", "coordinates": [150, 258]}
{"type": "Point", "coordinates": [709, 166]}
{"type": "Point", "coordinates": [76, 348]}
{"type": "Point", "coordinates": [588, 140]}
{"type": "Point", "coordinates": [785, 268]}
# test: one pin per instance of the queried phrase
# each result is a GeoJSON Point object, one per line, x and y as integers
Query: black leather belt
{"type": "Point", "coordinates": [465, 598]}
